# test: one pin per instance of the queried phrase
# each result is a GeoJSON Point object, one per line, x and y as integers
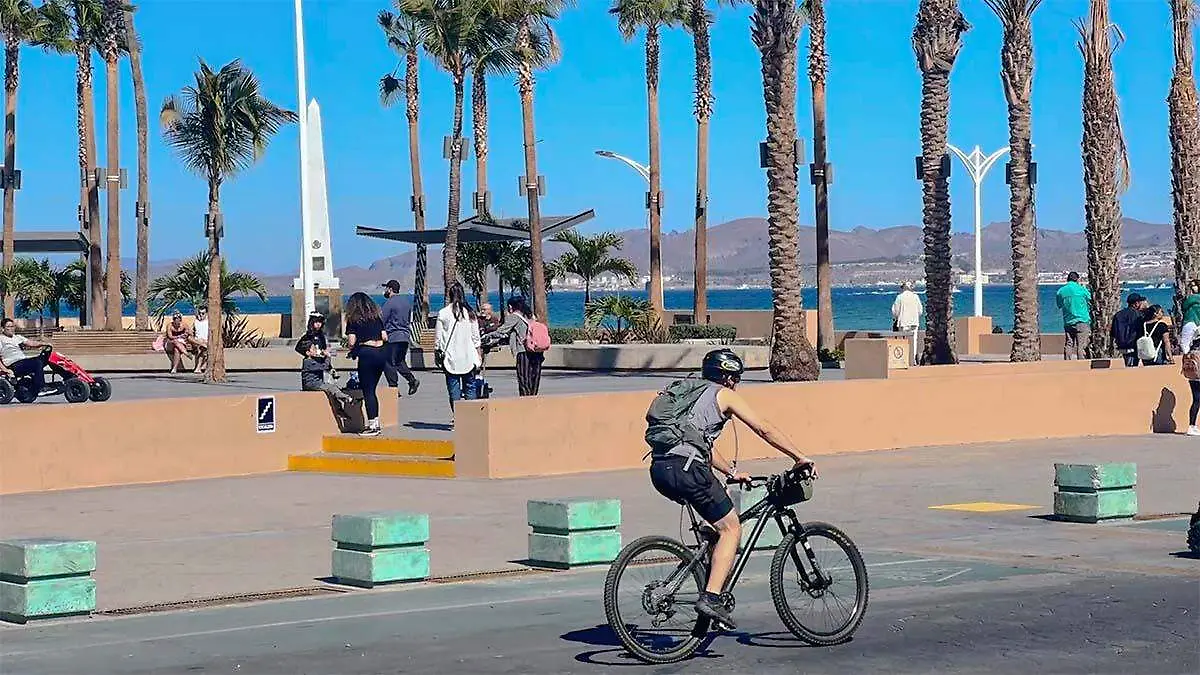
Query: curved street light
{"type": "Point", "coordinates": [978, 165]}
{"type": "Point", "coordinates": [644, 172]}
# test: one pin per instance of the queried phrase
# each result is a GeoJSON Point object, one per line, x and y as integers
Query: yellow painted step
{"type": "Point", "coordinates": [372, 465]}
{"type": "Point", "coordinates": [379, 445]}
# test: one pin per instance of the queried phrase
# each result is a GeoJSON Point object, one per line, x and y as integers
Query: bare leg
{"type": "Point", "coordinates": [730, 531]}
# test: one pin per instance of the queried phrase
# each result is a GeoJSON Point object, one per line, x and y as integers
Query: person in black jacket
{"type": "Point", "coordinates": [1128, 325]}
{"type": "Point", "coordinates": [316, 372]}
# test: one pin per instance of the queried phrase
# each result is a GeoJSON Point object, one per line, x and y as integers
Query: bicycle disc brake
{"type": "Point", "coordinates": [661, 608]}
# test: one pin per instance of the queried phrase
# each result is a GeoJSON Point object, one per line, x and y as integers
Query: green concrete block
{"type": "Point", "coordinates": [384, 528]}
{"type": "Point", "coordinates": [36, 558]}
{"type": "Point", "coordinates": [388, 565]}
{"type": "Point", "coordinates": [1090, 507]}
{"type": "Point", "coordinates": [1093, 477]}
{"type": "Point", "coordinates": [576, 548]}
{"type": "Point", "coordinates": [744, 499]}
{"type": "Point", "coordinates": [574, 514]}
{"type": "Point", "coordinates": [45, 598]}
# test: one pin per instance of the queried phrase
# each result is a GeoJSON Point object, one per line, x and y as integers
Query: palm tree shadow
{"type": "Point", "coordinates": [613, 653]}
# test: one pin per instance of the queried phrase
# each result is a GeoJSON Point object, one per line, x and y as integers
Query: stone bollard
{"type": "Point", "coordinates": [46, 578]}
{"type": "Point", "coordinates": [574, 531]}
{"type": "Point", "coordinates": [1089, 493]}
{"type": "Point", "coordinates": [380, 548]}
{"type": "Point", "coordinates": [744, 499]}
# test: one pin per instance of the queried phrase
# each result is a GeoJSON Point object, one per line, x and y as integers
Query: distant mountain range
{"type": "Point", "coordinates": [737, 254]}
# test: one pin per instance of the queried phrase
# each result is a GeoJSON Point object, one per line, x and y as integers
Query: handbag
{"type": "Point", "coordinates": [1191, 365]}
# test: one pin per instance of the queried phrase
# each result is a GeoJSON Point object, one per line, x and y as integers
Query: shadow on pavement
{"type": "Point", "coordinates": [614, 654]}
{"type": "Point", "coordinates": [429, 426]}
{"type": "Point", "coordinates": [773, 639]}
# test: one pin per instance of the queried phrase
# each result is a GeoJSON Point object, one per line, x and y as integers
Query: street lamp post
{"type": "Point", "coordinates": [644, 172]}
{"type": "Point", "coordinates": [310, 301]}
{"type": "Point", "coordinates": [978, 165]}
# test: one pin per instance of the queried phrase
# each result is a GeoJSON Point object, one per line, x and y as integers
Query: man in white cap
{"type": "Point", "coordinates": [906, 315]}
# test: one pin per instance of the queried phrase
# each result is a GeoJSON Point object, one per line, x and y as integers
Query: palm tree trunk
{"type": "Point", "coordinates": [1105, 174]}
{"type": "Point", "coordinates": [818, 67]}
{"type": "Point", "coordinates": [525, 84]}
{"type": "Point", "coordinates": [500, 290]}
{"type": "Point", "coordinates": [479, 125]}
{"type": "Point", "coordinates": [587, 292]}
{"type": "Point", "coordinates": [142, 283]}
{"type": "Point", "coordinates": [95, 237]}
{"type": "Point", "coordinates": [701, 40]}
{"type": "Point", "coordinates": [776, 29]}
{"type": "Point", "coordinates": [652, 67]}
{"type": "Point", "coordinates": [12, 53]}
{"type": "Point", "coordinates": [936, 41]}
{"type": "Point", "coordinates": [1016, 55]}
{"type": "Point", "coordinates": [83, 92]}
{"type": "Point", "coordinates": [1184, 128]}
{"type": "Point", "coordinates": [413, 96]}
{"type": "Point", "coordinates": [216, 322]}
{"type": "Point", "coordinates": [450, 250]}
{"type": "Point", "coordinates": [112, 276]}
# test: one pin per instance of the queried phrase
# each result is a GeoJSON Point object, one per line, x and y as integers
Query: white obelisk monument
{"type": "Point", "coordinates": [327, 287]}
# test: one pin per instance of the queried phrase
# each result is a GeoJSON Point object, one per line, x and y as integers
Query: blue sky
{"type": "Point", "coordinates": [595, 98]}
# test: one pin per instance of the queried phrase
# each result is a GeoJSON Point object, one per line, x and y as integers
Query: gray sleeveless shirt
{"type": "Point", "coordinates": [707, 417]}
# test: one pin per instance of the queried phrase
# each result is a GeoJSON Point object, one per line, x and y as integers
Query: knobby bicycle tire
{"type": "Point", "coordinates": [862, 586]}
{"type": "Point", "coordinates": [688, 646]}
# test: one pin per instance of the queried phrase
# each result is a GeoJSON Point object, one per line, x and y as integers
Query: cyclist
{"type": "Point", "coordinates": [683, 473]}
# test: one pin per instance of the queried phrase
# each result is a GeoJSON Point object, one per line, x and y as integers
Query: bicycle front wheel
{"type": "Point", "coordinates": [819, 584]}
{"type": "Point", "coordinates": [650, 599]}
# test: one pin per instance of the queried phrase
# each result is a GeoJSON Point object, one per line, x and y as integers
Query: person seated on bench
{"type": "Point", "coordinates": [13, 361]}
{"type": "Point", "coordinates": [316, 371]}
{"type": "Point", "coordinates": [175, 341]}
{"type": "Point", "coordinates": [198, 338]}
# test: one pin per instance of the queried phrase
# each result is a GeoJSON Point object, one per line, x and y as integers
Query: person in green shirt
{"type": "Point", "coordinates": [1191, 303]}
{"type": "Point", "coordinates": [1074, 300]}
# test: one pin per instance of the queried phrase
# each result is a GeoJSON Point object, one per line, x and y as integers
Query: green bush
{"type": "Point", "coordinates": [565, 335]}
{"type": "Point", "coordinates": [828, 355]}
{"type": "Point", "coordinates": [689, 331]}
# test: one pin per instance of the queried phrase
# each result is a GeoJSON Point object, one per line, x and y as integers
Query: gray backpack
{"type": "Point", "coordinates": [667, 421]}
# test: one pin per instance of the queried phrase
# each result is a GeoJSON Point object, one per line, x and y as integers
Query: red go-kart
{"type": "Point", "coordinates": [63, 376]}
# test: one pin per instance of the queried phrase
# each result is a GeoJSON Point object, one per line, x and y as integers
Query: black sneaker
{"type": "Point", "coordinates": [413, 386]}
{"type": "Point", "coordinates": [710, 605]}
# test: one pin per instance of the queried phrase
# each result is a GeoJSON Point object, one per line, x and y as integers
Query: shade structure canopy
{"type": "Point", "coordinates": [481, 229]}
{"type": "Point", "coordinates": [30, 241]}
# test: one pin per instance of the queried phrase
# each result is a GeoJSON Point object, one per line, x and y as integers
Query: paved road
{"type": "Point", "coordinates": [924, 616]}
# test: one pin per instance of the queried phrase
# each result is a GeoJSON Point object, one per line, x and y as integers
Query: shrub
{"type": "Point", "coordinates": [565, 335]}
{"type": "Point", "coordinates": [238, 334]}
{"type": "Point", "coordinates": [689, 331]}
{"type": "Point", "coordinates": [828, 355]}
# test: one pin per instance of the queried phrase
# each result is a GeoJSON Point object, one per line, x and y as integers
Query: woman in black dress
{"type": "Point", "coordinates": [364, 331]}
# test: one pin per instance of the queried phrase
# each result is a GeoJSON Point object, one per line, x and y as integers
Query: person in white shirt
{"type": "Point", "coordinates": [457, 345]}
{"type": "Point", "coordinates": [13, 360]}
{"type": "Point", "coordinates": [198, 340]}
{"type": "Point", "coordinates": [906, 315]}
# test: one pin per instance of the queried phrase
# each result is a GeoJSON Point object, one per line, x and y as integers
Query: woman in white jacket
{"type": "Point", "coordinates": [457, 345]}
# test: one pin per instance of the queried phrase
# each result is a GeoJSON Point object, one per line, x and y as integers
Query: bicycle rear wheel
{"type": "Point", "coordinates": [821, 599]}
{"type": "Point", "coordinates": [656, 624]}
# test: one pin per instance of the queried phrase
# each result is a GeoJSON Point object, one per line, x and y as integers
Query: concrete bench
{"type": "Point", "coordinates": [380, 548]}
{"type": "Point", "coordinates": [1090, 493]}
{"type": "Point", "coordinates": [46, 578]}
{"type": "Point", "coordinates": [574, 531]}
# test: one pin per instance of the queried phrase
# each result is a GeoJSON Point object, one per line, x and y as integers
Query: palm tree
{"type": "Point", "coordinates": [652, 15]}
{"type": "Point", "coordinates": [1105, 169]}
{"type": "Point", "coordinates": [31, 285]}
{"type": "Point", "coordinates": [1016, 55]}
{"type": "Point", "coordinates": [818, 69]}
{"type": "Point", "coordinates": [21, 24]}
{"type": "Point", "coordinates": [589, 258]}
{"type": "Point", "coordinates": [112, 33]}
{"type": "Point", "coordinates": [495, 59]}
{"type": "Point", "coordinates": [142, 212]}
{"type": "Point", "coordinates": [936, 40]}
{"type": "Point", "coordinates": [630, 316]}
{"type": "Point", "coordinates": [452, 31]}
{"type": "Point", "coordinates": [73, 278]}
{"type": "Point", "coordinates": [219, 126]}
{"type": "Point", "coordinates": [404, 38]}
{"type": "Point", "coordinates": [189, 283]}
{"type": "Point", "coordinates": [1185, 152]}
{"type": "Point", "coordinates": [477, 261]}
{"type": "Point", "coordinates": [86, 21]}
{"type": "Point", "coordinates": [775, 27]}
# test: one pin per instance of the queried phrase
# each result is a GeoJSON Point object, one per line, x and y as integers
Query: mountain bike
{"type": "Point", "coordinates": [653, 585]}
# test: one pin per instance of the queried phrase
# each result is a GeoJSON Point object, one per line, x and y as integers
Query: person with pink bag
{"type": "Point", "coordinates": [529, 339]}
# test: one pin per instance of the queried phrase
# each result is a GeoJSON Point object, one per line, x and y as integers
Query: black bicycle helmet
{"type": "Point", "coordinates": [720, 364]}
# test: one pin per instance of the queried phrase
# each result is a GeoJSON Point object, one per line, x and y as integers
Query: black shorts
{"type": "Point", "coordinates": [697, 486]}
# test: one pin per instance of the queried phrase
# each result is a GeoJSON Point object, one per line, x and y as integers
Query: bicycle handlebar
{"type": "Point", "coordinates": [803, 473]}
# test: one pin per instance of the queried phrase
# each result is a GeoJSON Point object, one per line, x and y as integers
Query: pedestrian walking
{"type": "Point", "coordinates": [458, 343]}
{"type": "Point", "coordinates": [367, 340]}
{"type": "Point", "coordinates": [1074, 300]}
{"type": "Point", "coordinates": [1127, 327]}
{"type": "Point", "coordinates": [1189, 345]}
{"type": "Point", "coordinates": [397, 323]}
{"type": "Point", "coordinates": [906, 315]}
{"type": "Point", "coordinates": [515, 329]}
